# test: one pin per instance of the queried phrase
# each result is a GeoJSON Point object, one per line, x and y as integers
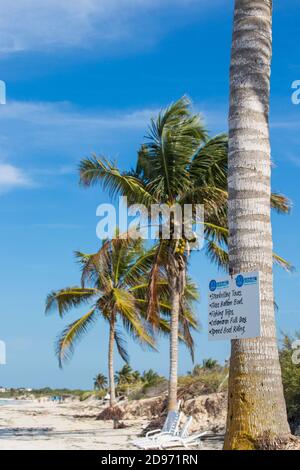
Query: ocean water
{"type": "Point", "coordinates": [10, 401]}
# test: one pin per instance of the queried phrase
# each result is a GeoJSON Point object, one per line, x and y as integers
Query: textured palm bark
{"type": "Point", "coordinates": [256, 406]}
{"type": "Point", "coordinates": [111, 376]}
{"type": "Point", "coordinates": [177, 282]}
{"type": "Point", "coordinates": [173, 379]}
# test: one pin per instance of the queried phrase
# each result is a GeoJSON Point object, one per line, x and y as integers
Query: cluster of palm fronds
{"type": "Point", "coordinates": [148, 292]}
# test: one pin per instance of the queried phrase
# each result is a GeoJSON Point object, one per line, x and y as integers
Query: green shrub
{"type": "Point", "coordinates": [291, 381]}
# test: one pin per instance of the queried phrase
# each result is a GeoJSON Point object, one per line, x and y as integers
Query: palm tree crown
{"type": "Point", "coordinates": [100, 382]}
{"type": "Point", "coordinates": [109, 278]}
{"type": "Point", "coordinates": [180, 164]}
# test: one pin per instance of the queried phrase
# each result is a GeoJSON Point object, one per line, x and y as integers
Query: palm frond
{"type": "Point", "coordinates": [138, 270]}
{"type": "Point", "coordinates": [71, 297]}
{"type": "Point", "coordinates": [154, 279]}
{"type": "Point", "coordinates": [72, 334]}
{"type": "Point", "coordinates": [216, 232]}
{"type": "Point", "coordinates": [283, 263]}
{"type": "Point", "coordinates": [185, 333]}
{"type": "Point", "coordinates": [217, 254]}
{"type": "Point", "coordinates": [96, 268]}
{"type": "Point", "coordinates": [100, 170]}
{"type": "Point", "coordinates": [126, 306]}
{"type": "Point", "coordinates": [121, 346]}
{"type": "Point", "coordinates": [280, 203]}
{"type": "Point", "coordinates": [191, 292]}
{"type": "Point", "coordinates": [127, 255]}
{"type": "Point", "coordinates": [209, 165]}
{"type": "Point", "coordinates": [163, 161]}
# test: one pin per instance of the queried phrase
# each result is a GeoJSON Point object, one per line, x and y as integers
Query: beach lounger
{"type": "Point", "coordinates": [153, 438]}
{"type": "Point", "coordinates": [183, 439]}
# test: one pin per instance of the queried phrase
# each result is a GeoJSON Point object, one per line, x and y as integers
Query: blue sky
{"type": "Point", "coordinates": [86, 76]}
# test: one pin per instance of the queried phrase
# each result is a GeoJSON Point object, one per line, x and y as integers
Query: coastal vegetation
{"type": "Point", "coordinates": [290, 368]}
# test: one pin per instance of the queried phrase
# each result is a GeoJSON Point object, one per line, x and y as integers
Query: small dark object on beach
{"type": "Point", "coordinates": [111, 413]}
{"type": "Point", "coordinates": [119, 424]}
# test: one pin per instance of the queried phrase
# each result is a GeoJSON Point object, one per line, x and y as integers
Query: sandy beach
{"type": "Point", "coordinates": [34, 425]}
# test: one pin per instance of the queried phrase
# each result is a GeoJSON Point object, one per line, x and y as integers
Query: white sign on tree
{"type": "Point", "coordinates": [234, 307]}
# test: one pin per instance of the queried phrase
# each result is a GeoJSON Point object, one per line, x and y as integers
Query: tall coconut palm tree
{"type": "Point", "coordinates": [256, 401]}
{"type": "Point", "coordinates": [178, 164]}
{"type": "Point", "coordinates": [112, 274]}
{"type": "Point", "coordinates": [100, 382]}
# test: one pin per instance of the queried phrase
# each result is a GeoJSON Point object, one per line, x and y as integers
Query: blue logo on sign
{"type": "Point", "coordinates": [213, 285]}
{"type": "Point", "coordinates": [239, 280]}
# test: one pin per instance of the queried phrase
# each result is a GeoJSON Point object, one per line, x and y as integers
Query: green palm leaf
{"type": "Point", "coordinates": [100, 170]}
{"type": "Point", "coordinates": [217, 254]}
{"type": "Point", "coordinates": [172, 141]}
{"type": "Point", "coordinates": [68, 298]}
{"type": "Point", "coordinates": [121, 346]}
{"type": "Point", "coordinates": [209, 165]}
{"type": "Point", "coordinates": [126, 304]}
{"type": "Point", "coordinates": [72, 334]}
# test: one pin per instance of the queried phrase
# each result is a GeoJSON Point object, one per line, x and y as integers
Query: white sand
{"type": "Point", "coordinates": [68, 426]}
{"type": "Point", "coordinates": [34, 425]}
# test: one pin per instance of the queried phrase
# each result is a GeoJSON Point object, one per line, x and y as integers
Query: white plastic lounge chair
{"type": "Point", "coordinates": [183, 433]}
{"type": "Point", "coordinates": [194, 439]}
{"type": "Point", "coordinates": [169, 429]}
{"type": "Point", "coordinates": [182, 439]}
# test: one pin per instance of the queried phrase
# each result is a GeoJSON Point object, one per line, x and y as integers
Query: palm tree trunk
{"type": "Point", "coordinates": [111, 376]}
{"type": "Point", "coordinates": [177, 282]}
{"type": "Point", "coordinates": [256, 407]}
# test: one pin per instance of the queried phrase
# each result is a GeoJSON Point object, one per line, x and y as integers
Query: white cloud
{"type": "Point", "coordinates": [12, 177]}
{"type": "Point", "coordinates": [49, 24]}
{"type": "Point", "coordinates": [63, 127]}
{"type": "Point", "coordinates": [47, 140]}
{"type": "Point", "coordinates": [64, 113]}
{"type": "Point", "coordinates": [30, 130]}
